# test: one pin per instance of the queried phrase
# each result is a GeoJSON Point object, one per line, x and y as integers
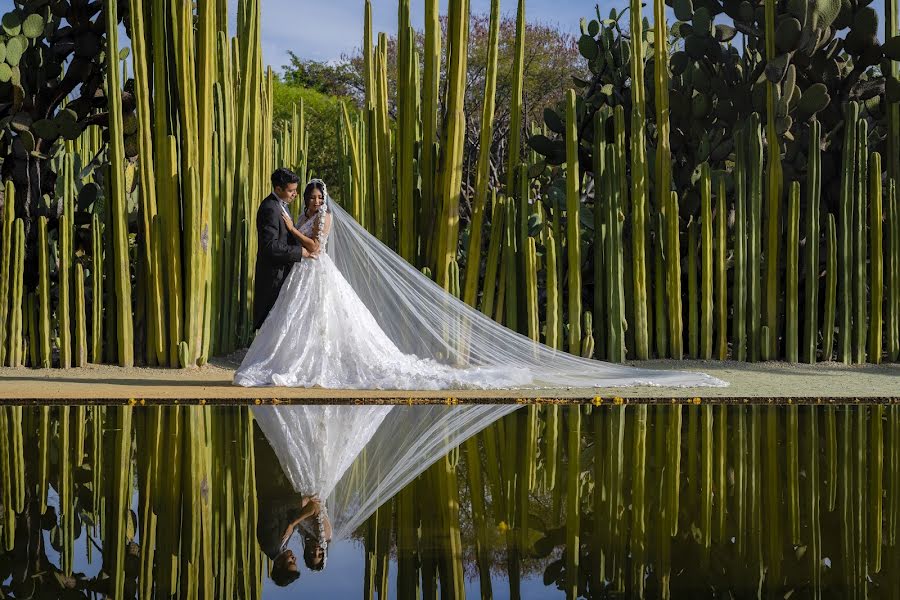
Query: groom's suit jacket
{"type": "Point", "coordinates": [277, 251]}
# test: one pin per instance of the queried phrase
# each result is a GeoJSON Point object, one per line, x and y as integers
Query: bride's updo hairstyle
{"type": "Point", "coordinates": [315, 184]}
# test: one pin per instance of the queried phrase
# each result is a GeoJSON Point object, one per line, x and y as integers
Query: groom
{"type": "Point", "coordinates": [278, 249]}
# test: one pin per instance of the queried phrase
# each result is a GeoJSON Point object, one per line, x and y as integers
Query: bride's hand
{"type": "Point", "coordinates": [287, 221]}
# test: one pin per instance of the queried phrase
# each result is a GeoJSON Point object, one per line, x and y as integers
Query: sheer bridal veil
{"type": "Point", "coordinates": [423, 319]}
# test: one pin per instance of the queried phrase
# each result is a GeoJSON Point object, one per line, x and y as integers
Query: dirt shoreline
{"type": "Point", "coordinates": [765, 382]}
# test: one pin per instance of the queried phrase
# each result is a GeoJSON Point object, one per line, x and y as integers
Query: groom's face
{"type": "Point", "coordinates": [287, 193]}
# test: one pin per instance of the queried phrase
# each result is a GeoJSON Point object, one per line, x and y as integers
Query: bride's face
{"type": "Point", "coordinates": [315, 200]}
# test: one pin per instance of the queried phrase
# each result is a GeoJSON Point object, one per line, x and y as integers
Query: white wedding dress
{"type": "Point", "coordinates": [360, 317]}
{"type": "Point", "coordinates": [319, 333]}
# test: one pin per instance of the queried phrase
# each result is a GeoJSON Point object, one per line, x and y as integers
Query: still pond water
{"type": "Point", "coordinates": [546, 502]}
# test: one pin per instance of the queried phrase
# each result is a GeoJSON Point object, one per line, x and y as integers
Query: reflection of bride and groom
{"type": "Point", "coordinates": [350, 459]}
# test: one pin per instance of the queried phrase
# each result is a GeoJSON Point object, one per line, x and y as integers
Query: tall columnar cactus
{"type": "Point", "coordinates": [16, 357]}
{"type": "Point", "coordinates": [431, 194]}
{"type": "Point", "coordinates": [860, 194]}
{"type": "Point", "coordinates": [673, 277]}
{"type": "Point", "coordinates": [876, 262]}
{"type": "Point", "coordinates": [845, 230]}
{"type": "Point", "coordinates": [455, 122]}
{"type": "Point", "coordinates": [516, 101]}
{"type": "Point", "coordinates": [706, 260]}
{"type": "Point", "coordinates": [97, 290]}
{"type": "Point", "coordinates": [81, 349]}
{"type": "Point", "coordinates": [721, 276]}
{"type": "Point", "coordinates": [573, 224]}
{"type": "Point", "coordinates": [811, 283]}
{"type": "Point", "coordinates": [65, 274]}
{"type": "Point", "coordinates": [754, 223]}
{"type": "Point", "coordinates": [492, 262]}
{"type": "Point", "coordinates": [116, 188]}
{"type": "Point", "coordinates": [44, 291]}
{"type": "Point", "coordinates": [692, 302]}
{"type": "Point", "coordinates": [831, 278]}
{"type": "Point", "coordinates": [6, 250]}
{"type": "Point", "coordinates": [150, 251]}
{"type": "Point", "coordinates": [639, 186]}
{"type": "Point", "coordinates": [739, 294]}
{"type": "Point", "coordinates": [482, 174]}
{"type": "Point", "coordinates": [773, 186]}
{"type": "Point", "coordinates": [553, 304]}
{"type": "Point", "coordinates": [792, 258]}
{"type": "Point", "coordinates": [893, 301]}
{"type": "Point", "coordinates": [615, 300]}
{"type": "Point", "coordinates": [406, 134]}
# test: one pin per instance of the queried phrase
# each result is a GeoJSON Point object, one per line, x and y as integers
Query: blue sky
{"type": "Point", "coordinates": [322, 30]}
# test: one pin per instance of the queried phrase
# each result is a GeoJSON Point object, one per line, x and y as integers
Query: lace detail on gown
{"type": "Point", "coordinates": [320, 334]}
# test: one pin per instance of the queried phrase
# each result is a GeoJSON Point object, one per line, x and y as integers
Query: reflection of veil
{"type": "Point", "coordinates": [358, 457]}
{"type": "Point", "coordinates": [423, 319]}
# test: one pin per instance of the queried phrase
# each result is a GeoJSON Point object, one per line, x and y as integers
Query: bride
{"type": "Point", "coordinates": [355, 315]}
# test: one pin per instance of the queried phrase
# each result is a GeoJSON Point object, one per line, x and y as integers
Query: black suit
{"type": "Point", "coordinates": [278, 251]}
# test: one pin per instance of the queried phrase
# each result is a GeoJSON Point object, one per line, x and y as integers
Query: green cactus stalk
{"type": "Point", "coordinates": [511, 249]}
{"type": "Point", "coordinates": [62, 309]}
{"type": "Point", "coordinates": [859, 242]}
{"type": "Point", "coordinates": [116, 188]}
{"type": "Point", "coordinates": [773, 187]}
{"type": "Point", "coordinates": [16, 357]}
{"type": "Point", "coordinates": [516, 101]}
{"type": "Point", "coordinates": [600, 283]}
{"type": "Point", "coordinates": [482, 173]}
{"type": "Point", "coordinates": [739, 291]}
{"type": "Point", "coordinates": [706, 260]}
{"type": "Point", "coordinates": [876, 263]}
{"type": "Point", "coordinates": [44, 291]}
{"type": "Point", "coordinates": [96, 291]}
{"type": "Point", "coordinates": [406, 134]}
{"type": "Point", "coordinates": [553, 303]}
{"type": "Point", "coordinates": [149, 249]}
{"type": "Point", "coordinates": [892, 156]}
{"type": "Point", "coordinates": [754, 256]}
{"type": "Point", "coordinates": [792, 296]}
{"type": "Point", "coordinates": [455, 131]}
{"type": "Point", "coordinates": [845, 230]}
{"type": "Point", "coordinates": [893, 301]}
{"type": "Point", "coordinates": [531, 291]}
{"type": "Point", "coordinates": [692, 303]}
{"type": "Point", "coordinates": [673, 277]}
{"type": "Point", "coordinates": [587, 342]}
{"type": "Point", "coordinates": [639, 186]}
{"type": "Point", "coordinates": [615, 302]}
{"type": "Point", "coordinates": [721, 276]}
{"type": "Point", "coordinates": [573, 228]}
{"type": "Point", "coordinates": [492, 263]}
{"type": "Point", "coordinates": [81, 350]}
{"type": "Point", "coordinates": [430, 102]}
{"type": "Point", "coordinates": [659, 285]}
{"type": "Point", "coordinates": [831, 277]}
{"type": "Point", "coordinates": [6, 250]}
{"type": "Point", "coordinates": [811, 284]}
